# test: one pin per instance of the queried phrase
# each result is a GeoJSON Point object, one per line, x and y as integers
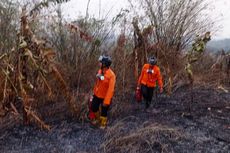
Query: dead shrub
{"type": "Point", "coordinates": [128, 135]}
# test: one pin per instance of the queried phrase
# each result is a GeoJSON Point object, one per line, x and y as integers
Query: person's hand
{"type": "Point", "coordinates": [161, 89]}
{"type": "Point", "coordinates": [105, 105]}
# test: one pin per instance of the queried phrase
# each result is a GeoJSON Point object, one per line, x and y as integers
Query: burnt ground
{"type": "Point", "coordinates": [170, 127]}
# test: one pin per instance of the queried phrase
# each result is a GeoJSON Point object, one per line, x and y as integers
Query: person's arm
{"type": "Point", "coordinates": [159, 80]}
{"type": "Point", "coordinates": [110, 91]}
{"type": "Point", "coordinates": [140, 78]}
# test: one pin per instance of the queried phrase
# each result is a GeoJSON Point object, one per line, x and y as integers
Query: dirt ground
{"type": "Point", "coordinates": [171, 126]}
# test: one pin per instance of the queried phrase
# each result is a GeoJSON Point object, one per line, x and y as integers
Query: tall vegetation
{"type": "Point", "coordinates": [44, 54]}
{"type": "Point", "coordinates": [175, 25]}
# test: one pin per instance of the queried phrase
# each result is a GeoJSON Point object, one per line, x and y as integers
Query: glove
{"type": "Point", "coordinates": [150, 71]}
{"type": "Point", "coordinates": [161, 89]}
{"type": "Point", "coordinates": [105, 105]}
{"type": "Point", "coordinates": [100, 76]}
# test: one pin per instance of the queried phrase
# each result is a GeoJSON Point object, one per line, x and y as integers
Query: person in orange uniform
{"type": "Point", "coordinates": [150, 74]}
{"type": "Point", "coordinates": [103, 92]}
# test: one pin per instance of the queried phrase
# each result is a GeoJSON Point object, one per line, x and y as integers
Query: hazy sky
{"type": "Point", "coordinates": [220, 11]}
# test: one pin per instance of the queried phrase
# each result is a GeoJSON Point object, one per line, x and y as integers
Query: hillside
{"type": "Point", "coordinates": [217, 45]}
{"type": "Point", "coordinates": [50, 66]}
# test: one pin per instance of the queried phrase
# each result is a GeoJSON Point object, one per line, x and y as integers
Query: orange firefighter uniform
{"type": "Point", "coordinates": [149, 75]}
{"type": "Point", "coordinates": [103, 93]}
{"type": "Point", "coordinates": [104, 87]}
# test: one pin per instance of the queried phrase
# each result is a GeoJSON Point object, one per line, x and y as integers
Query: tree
{"type": "Point", "coordinates": [8, 25]}
{"type": "Point", "coordinates": [176, 23]}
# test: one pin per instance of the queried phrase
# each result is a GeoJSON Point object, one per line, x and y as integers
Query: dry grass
{"type": "Point", "coordinates": [144, 137]}
{"type": "Point", "coordinates": [30, 70]}
{"type": "Point", "coordinates": [26, 71]}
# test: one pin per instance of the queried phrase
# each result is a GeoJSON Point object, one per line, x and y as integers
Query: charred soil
{"type": "Point", "coordinates": [174, 124]}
